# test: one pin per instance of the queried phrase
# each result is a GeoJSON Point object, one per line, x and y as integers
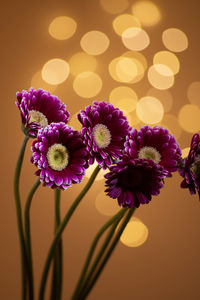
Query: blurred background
{"type": "Point", "coordinates": [142, 56]}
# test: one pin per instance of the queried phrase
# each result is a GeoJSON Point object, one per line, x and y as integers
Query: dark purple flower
{"type": "Point", "coordinates": [156, 144]}
{"type": "Point", "coordinates": [104, 131]}
{"type": "Point", "coordinates": [38, 108]}
{"type": "Point", "coordinates": [190, 167]}
{"type": "Point", "coordinates": [134, 181]}
{"type": "Point", "coordinates": [60, 155]}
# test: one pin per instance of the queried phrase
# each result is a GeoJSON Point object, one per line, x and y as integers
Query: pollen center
{"type": "Point", "coordinates": [195, 168]}
{"type": "Point", "coordinates": [101, 135]}
{"type": "Point", "coordinates": [150, 153]}
{"type": "Point", "coordinates": [58, 157]}
{"type": "Point", "coordinates": [37, 116]}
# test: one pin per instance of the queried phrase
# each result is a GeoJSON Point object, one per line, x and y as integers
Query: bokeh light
{"type": "Point", "coordinates": [189, 118]}
{"type": "Point", "coordinates": [37, 82]}
{"type": "Point", "coordinates": [106, 205]}
{"type": "Point", "coordinates": [193, 92]}
{"type": "Point", "coordinates": [126, 69]}
{"type": "Point", "coordinates": [95, 42]}
{"type": "Point", "coordinates": [124, 98]}
{"type": "Point", "coordinates": [87, 84]}
{"type": "Point", "coordinates": [123, 22]}
{"type": "Point", "coordinates": [169, 59]}
{"type": "Point", "coordinates": [55, 71]}
{"type": "Point", "coordinates": [185, 152]}
{"type": "Point", "coordinates": [74, 122]}
{"type": "Point", "coordinates": [62, 28]}
{"type": "Point", "coordinates": [164, 96]}
{"type": "Point", "coordinates": [114, 6]}
{"type": "Point", "coordinates": [171, 123]}
{"type": "Point", "coordinates": [147, 12]}
{"type": "Point", "coordinates": [135, 233]}
{"type": "Point", "coordinates": [160, 76]}
{"type": "Point", "coordinates": [175, 39]}
{"type": "Point", "coordinates": [81, 62]}
{"type": "Point", "coordinates": [149, 110]}
{"type": "Point", "coordinates": [100, 175]}
{"type": "Point", "coordinates": [135, 38]}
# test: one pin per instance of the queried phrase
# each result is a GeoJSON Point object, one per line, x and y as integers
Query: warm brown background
{"type": "Point", "coordinates": [167, 265]}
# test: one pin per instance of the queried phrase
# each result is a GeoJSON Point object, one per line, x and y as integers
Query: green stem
{"type": "Point", "coordinates": [19, 216]}
{"type": "Point", "coordinates": [108, 254]}
{"type": "Point", "coordinates": [92, 249]}
{"type": "Point", "coordinates": [28, 236]}
{"type": "Point", "coordinates": [60, 230]}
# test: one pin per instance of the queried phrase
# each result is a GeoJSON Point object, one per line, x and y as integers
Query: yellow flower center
{"type": "Point", "coordinates": [37, 116]}
{"type": "Point", "coordinates": [150, 153]}
{"type": "Point", "coordinates": [101, 135]}
{"type": "Point", "coordinates": [58, 157]}
{"type": "Point", "coordinates": [195, 168]}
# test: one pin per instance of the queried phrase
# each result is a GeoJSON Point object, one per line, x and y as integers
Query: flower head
{"type": "Point", "coordinates": [104, 131]}
{"type": "Point", "coordinates": [134, 181]}
{"type": "Point", "coordinates": [156, 144]}
{"type": "Point", "coordinates": [38, 108]}
{"type": "Point", "coordinates": [60, 155]}
{"type": "Point", "coordinates": [190, 167]}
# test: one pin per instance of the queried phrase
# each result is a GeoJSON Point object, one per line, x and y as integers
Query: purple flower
{"type": "Point", "coordinates": [156, 144]}
{"type": "Point", "coordinates": [104, 131]}
{"type": "Point", "coordinates": [38, 108]}
{"type": "Point", "coordinates": [60, 155]}
{"type": "Point", "coordinates": [134, 181]}
{"type": "Point", "coordinates": [190, 167]}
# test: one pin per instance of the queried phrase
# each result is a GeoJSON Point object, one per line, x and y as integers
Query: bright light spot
{"type": "Point", "coordinates": [193, 93]}
{"type": "Point", "coordinates": [62, 28]}
{"type": "Point", "coordinates": [106, 205]}
{"type": "Point", "coordinates": [185, 152]}
{"type": "Point", "coordinates": [135, 233]}
{"type": "Point", "coordinates": [165, 97]}
{"type": "Point", "coordinates": [90, 170]}
{"type": "Point", "coordinates": [55, 71]}
{"type": "Point", "coordinates": [169, 59]}
{"type": "Point", "coordinates": [124, 98]}
{"type": "Point", "coordinates": [87, 84]}
{"type": "Point", "coordinates": [81, 62]}
{"type": "Point", "coordinates": [171, 123]}
{"type": "Point", "coordinates": [114, 6]}
{"type": "Point", "coordinates": [140, 61]}
{"type": "Point", "coordinates": [126, 69]}
{"type": "Point", "coordinates": [74, 122]}
{"type": "Point", "coordinates": [189, 118]}
{"type": "Point", "coordinates": [37, 82]}
{"type": "Point", "coordinates": [175, 39]}
{"type": "Point", "coordinates": [149, 110]}
{"type": "Point", "coordinates": [147, 12]}
{"type": "Point", "coordinates": [161, 77]}
{"type": "Point", "coordinates": [123, 22]}
{"type": "Point", "coordinates": [94, 42]}
{"type": "Point", "coordinates": [135, 39]}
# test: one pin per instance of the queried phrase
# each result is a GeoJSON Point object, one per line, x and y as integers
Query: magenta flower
{"type": "Point", "coordinates": [190, 167]}
{"type": "Point", "coordinates": [104, 131]}
{"type": "Point", "coordinates": [156, 144]}
{"type": "Point", "coordinates": [38, 108]}
{"type": "Point", "coordinates": [60, 155]}
{"type": "Point", "coordinates": [134, 181]}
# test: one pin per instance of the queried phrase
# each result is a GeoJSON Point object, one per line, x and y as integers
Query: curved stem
{"type": "Point", "coordinates": [92, 249]}
{"type": "Point", "coordinates": [108, 254]}
{"type": "Point", "coordinates": [19, 216]}
{"type": "Point", "coordinates": [60, 230]}
{"type": "Point", "coordinates": [28, 235]}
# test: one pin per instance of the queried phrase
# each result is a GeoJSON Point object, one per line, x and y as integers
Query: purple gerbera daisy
{"type": "Point", "coordinates": [190, 167]}
{"type": "Point", "coordinates": [38, 108]}
{"type": "Point", "coordinates": [104, 131]}
{"type": "Point", "coordinates": [156, 144]}
{"type": "Point", "coordinates": [60, 155]}
{"type": "Point", "coordinates": [134, 181]}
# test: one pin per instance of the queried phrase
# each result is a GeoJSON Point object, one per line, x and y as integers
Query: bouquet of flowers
{"type": "Point", "coordinates": [137, 163]}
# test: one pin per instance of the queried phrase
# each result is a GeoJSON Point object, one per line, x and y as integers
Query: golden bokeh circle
{"type": "Point", "coordinates": [74, 122]}
{"type": "Point", "coordinates": [106, 205]}
{"type": "Point", "coordinates": [62, 28]}
{"type": "Point", "coordinates": [37, 82]}
{"type": "Point", "coordinates": [81, 62]}
{"type": "Point", "coordinates": [149, 110]}
{"type": "Point", "coordinates": [124, 98]}
{"type": "Point", "coordinates": [123, 22]}
{"type": "Point", "coordinates": [87, 84]}
{"type": "Point", "coordinates": [126, 69]}
{"type": "Point", "coordinates": [164, 96]}
{"type": "Point", "coordinates": [95, 42]}
{"type": "Point", "coordinates": [175, 39]}
{"type": "Point", "coordinates": [169, 59]}
{"type": "Point", "coordinates": [147, 12]}
{"type": "Point", "coordinates": [114, 6]}
{"type": "Point", "coordinates": [90, 170]}
{"type": "Point", "coordinates": [160, 76]}
{"type": "Point", "coordinates": [189, 118]}
{"type": "Point", "coordinates": [135, 38]}
{"type": "Point", "coordinates": [55, 71]}
{"type": "Point", "coordinates": [193, 92]}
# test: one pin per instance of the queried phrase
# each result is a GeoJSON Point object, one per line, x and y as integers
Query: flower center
{"type": "Point", "coordinates": [150, 153]}
{"type": "Point", "coordinates": [58, 157]}
{"type": "Point", "coordinates": [101, 135]}
{"type": "Point", "coordinates": [37, 116]}
{"type": "Point", "coordinates": [130, 178]}
{"type": "Point", "coordinates": [195, 168]}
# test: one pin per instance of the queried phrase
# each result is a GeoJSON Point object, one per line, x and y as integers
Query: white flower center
{"type": "Point", "coordinates": [150, 153]}
{"type": "Point", "coordinates": [101, 135]}
{"type": "Point", "coordinates": [58, 157]}
{"type": "Point", "coordinates": [195, 168]}
{"type": "Point", "coordinates": [37, 116]}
